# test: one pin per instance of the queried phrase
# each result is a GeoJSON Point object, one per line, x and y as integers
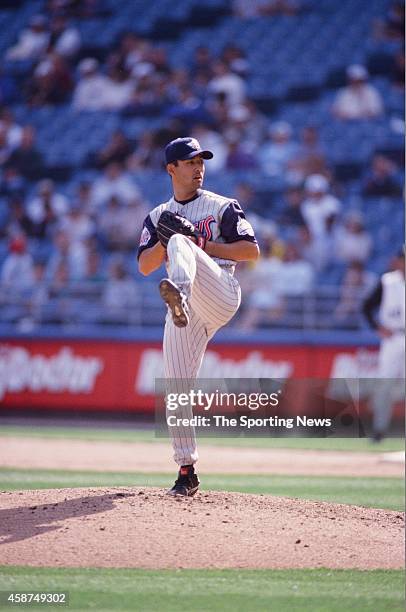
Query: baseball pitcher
{"type": "Point", "coordinates": [200, 236]}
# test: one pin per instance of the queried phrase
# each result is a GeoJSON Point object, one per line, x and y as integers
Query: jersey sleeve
{"type": "Point", "coordinates": [148, 237]}
{"type": "Point", "coordinates": [234, 226]}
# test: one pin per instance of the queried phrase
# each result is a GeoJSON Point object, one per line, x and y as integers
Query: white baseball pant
{"type": "Point", "coordinates": [214, 296]}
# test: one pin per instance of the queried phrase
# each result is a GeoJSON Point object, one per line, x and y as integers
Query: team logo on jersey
{"type": "Point", "coordinates": [244, 228]}
{"type": "Point", "coordinates": [145, 236]}
{"type": "Point", "coordinates": [203, 226]}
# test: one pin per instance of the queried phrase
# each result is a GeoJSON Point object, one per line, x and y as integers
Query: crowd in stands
{"type": "Point", "coordinates": [94, 230]}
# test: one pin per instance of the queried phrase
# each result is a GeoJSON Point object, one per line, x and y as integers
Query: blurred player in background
{"type": "Point", "coordinates": [389, 297]}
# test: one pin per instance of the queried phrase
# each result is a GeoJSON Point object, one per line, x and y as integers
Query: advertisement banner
{"type": "Point", "coordinates": [83, 375]}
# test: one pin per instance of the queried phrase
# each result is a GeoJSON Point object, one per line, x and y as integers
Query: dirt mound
{"type": "Point", "coordinates": [134, 527]}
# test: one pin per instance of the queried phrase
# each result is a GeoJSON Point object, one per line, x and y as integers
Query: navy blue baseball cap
{"type": "Point", "coordinates": [184, 148]}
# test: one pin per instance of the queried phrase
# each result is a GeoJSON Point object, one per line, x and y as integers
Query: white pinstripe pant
{"type": "Point", "coordinates": [214, 297]}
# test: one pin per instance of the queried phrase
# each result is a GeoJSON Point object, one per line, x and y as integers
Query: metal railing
{"type": "Point", "coordinates": [84, 303]}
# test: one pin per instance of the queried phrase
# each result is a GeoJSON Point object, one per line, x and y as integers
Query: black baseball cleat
{"type": "Point", "coordinates": [176, 300]}
{"type": "Point", "coordinates": [187, 482]}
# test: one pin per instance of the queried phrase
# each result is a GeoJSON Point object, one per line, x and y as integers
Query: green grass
{"type": "Point", "coordinates": [370, 492]}
{"type": "Point", "coordinates": [140, 435]}
{"type": "Point", "coordinates": [318, 590]}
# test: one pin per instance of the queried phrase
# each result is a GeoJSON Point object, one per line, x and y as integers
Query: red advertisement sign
{"type": "Point", "coordinates": [119, 376]}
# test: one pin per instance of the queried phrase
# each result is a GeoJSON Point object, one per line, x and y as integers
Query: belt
{"type": "Point", "coordinates": [227, 267]}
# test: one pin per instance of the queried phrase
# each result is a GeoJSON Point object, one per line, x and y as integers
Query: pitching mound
{"type": "Point", "coordinates": [134, 527]}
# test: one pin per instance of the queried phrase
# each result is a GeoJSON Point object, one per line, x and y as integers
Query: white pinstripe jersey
{"type": "Point", "coordinates": [218, 218]}
{"type": "Point", "coordinates": [392, 308]}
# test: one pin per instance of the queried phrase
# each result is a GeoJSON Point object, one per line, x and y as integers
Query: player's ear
{"type": "Point", "coordinates": [170, 168]}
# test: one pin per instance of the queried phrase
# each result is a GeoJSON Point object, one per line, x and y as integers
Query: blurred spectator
{"type": "Point", "coordinates": [32, 300]}
{"type": "Point", "coordinates": [239, 157]}
{"type": "Point", "coordinates": [279, 150]}
{"type": "Point", "coordinates": [17, 272]}
{"type": "Point", "coordinates": [202, 62]}
{"type": "Point", "coordinates": [218, 109]}
{"type": "Point", "coordinates": [64, 37]}
{"type": "Point", "coordinates": [227, 82]}
{"type": "Point", "coordinates": [146, 154]}
{"type": "Point", "coordinates": [13, 131]}
{"type": "Point", "coordinates": [200, 83]}
{"type": "Point", "coordinates": [187, 106]}
{"type": "Point", "coordinates": [265, 229]}
{"type": "Point", "coordinates": [180, 80]}
{"type": "Point", "coordinates": [109, 224]}
{"type": "Point", "coordinates": [26, 159]}
{"type": "Point", "coordinates": [296, 275]}
{"type": "Point", "coordinates": [381, 179]}
{"type": "Point", "coordinates": [76, 224]}
{"type": "Point", "coordinates": [94, 271]}
{"type": "Point", "coordinates": [263, 303]}
{"type": "Point", "coordinates": [359, 99]}
{"type": "Point", "coordinates": [120, 294]}
{"type": "Point", "coordinates": [37, 297]}
{"type": "Point", "coordinates": [120, 225]}
{"type": "Point", "coordinates": [246, 124]}
{"type": "Point", "coordinates": [58, 279]}
{"type": "Point", "coordinates": [352, 242]}
{"type": "Point", "coordinates": [83, 196]}
{"type": "Point", "coordinates": [117, 150]}
{"type": "Point", "coordinates": [20, 222]}
{"type": "Point", "coordinates": [256, 124]}
{"type": "Point", "coordinates": [118, 89]}
{"type": "Point", "coordinates": [133, 53]}
{"type": "Point", "coordinates": [320, 210]}
{"type": "Point", "coordinates": [32, 42]}
{"type": "Point", "coordinates": [235, 59]}
{"type": "Point", "coordinates": [12, 182]}
{"type": "Point", "coordinates": [392, 28]}
{"type": "Point", "coordinates": [311, 156]}
{"type": "Point", "coordinates": [149, 96]}
{"type": "Point", "coordinates": [158, 56]}
{"type": "Point", "coordinates": [114, 182]}
{"type": "Point", "coordinates": [307, 248]}
{"type": "Point", "coordinates": [133, 215]}
{"type": "Point", "coordinates": [48, 207]}
{"type": "Point", "coordinates": [51, 82]}
{"type": "Point", "coordinates": [356, 285]}
{"type": "Point", "coordinates": [291, 214]}
{"type": "Point", "coordinates": [68, 261]}
{"type": "Point", "coordinates": [92, 92]}
{"type": "Point", "coordinates": [248, 198]}
{"type": "Point", "coordinates": [212, 141]}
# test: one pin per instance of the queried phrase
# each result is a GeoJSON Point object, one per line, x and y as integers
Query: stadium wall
{"type": "Point", "coordinates": [107, 375]}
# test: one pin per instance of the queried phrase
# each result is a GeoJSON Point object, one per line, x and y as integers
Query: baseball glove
{"type": "Point", "coordinates": [170, 223]}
